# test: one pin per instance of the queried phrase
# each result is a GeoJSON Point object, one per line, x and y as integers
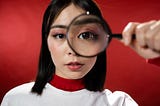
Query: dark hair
{"type": "Point", "coordinates": [95, 79]}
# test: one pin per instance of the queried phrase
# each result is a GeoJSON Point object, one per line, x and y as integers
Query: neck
{"type": "Point", "coordinates": [67, 84]}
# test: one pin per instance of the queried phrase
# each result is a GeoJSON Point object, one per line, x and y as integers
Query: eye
{"type": "Point", "coordinates": [88, 36]}
{"type": "Point", "coordinates": [59, 36]}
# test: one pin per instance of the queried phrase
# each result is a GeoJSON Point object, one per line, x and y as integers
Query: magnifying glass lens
{"type": "Point", "coordinates": [87, 36]}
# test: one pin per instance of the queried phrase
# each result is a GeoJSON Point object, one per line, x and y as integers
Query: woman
{"type": "Point", "coordinates": [65, 78]}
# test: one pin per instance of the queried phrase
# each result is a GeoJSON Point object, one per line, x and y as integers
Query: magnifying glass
{"type": "Point", "coordinates": [87, 35]}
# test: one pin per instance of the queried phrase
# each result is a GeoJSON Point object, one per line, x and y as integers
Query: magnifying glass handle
{"type": "Point", "coordinates": [119, 36]}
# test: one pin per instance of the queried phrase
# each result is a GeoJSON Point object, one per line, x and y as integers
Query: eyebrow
{"type": "Point", "coordinates": [58, 26]}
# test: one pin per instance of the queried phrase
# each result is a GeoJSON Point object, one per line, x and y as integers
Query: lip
{"type": "Point", "coordinates": [74, 65]}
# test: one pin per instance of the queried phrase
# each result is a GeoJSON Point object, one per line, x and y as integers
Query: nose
{"type": "Point", "coordinates": [70, 52]}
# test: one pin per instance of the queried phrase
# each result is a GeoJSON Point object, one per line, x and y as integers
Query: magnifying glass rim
{"type": "Point", "coordinates": [68, 41]}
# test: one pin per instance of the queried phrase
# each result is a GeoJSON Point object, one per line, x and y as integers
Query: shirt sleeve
{"type": "Point", "coordinates": [155, 61]}
{"type": "Point", "coordinates": [119, 98]}
{"type": "Point", "coordinates": [4, 101]}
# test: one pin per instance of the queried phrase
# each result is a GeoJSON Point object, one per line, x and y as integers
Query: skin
{"type": "Point", "coordinates": [67, 64]}
{"type": "Point", "coordinates": [147, 43]}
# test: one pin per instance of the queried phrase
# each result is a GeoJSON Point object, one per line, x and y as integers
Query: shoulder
{"type": "Point", "coordinates": [21, 89]}
{"type": "Point", "coordinates": [119, 98]}
{"type": "Point", "coordinates": [17, 93]}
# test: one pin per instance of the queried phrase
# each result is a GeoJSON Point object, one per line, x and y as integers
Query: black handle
{"type": "Point", "coordinates": [119, 36]}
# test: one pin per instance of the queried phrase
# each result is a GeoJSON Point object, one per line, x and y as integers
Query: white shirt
{"type": "Point", "coordinates": [51, 96]}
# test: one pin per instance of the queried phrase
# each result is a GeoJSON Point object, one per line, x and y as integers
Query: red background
{"type": "Point", "coordinates": [20, 39]}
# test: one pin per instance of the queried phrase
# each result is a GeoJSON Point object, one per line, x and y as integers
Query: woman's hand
{"type": "Point", "coordinates": [147, 42]}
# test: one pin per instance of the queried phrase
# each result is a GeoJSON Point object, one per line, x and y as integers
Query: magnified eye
{"type": "Point", "coordinates": [88, 36]}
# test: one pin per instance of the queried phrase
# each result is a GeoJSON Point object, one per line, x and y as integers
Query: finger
{"type": "Point", "coordinates": [141, 32]}
{"type": "Point", "coordinates": [144, 52]}
{"type": "Point", "coordinates": [149, 53]}
{"type": "Point", "coordinates": [153, 36]}
{"type": "Point", "coordinates": [128, 32]}
{"type": "Point", "coordinates": [157, 42]}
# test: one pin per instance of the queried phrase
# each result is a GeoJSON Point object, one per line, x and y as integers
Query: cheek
{"type": "Point", "coordinates": [91, 62]}
{"type": "Point", "coordinates": [54, 49]}
{"type": "Point", "coordinates": [50, 44]}
{"type": "Point", "coordinates": [53, 45]}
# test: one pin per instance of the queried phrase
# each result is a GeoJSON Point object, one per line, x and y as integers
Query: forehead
{"type": "Point", "coordinates": [67, 15]}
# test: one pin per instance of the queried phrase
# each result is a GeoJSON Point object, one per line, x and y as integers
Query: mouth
{"type": "Point", "coordinates": [74, 66]}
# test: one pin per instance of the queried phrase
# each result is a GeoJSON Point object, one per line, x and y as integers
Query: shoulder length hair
{"type": "Point", "coordinates": [95, 79]}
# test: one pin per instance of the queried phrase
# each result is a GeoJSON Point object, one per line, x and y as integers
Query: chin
{"type": "Point", "coordinates": [76, 76]}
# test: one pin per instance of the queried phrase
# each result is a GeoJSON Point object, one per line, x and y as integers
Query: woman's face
{"type": "Point", "coordinates": [67, 63]}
